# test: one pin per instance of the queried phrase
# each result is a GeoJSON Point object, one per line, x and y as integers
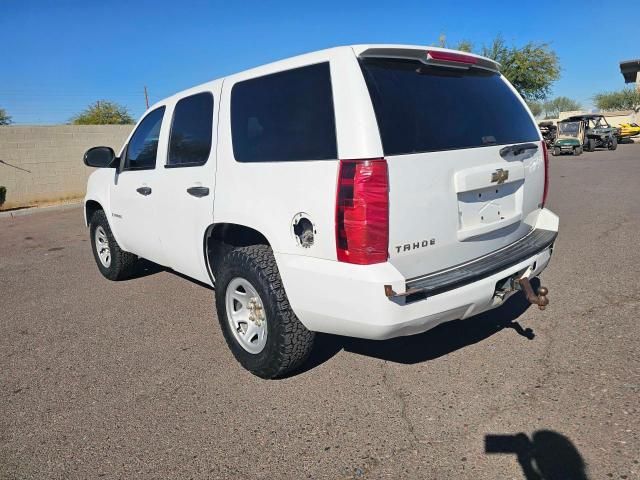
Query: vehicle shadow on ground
{"type": "Point", "coordinates": [441, 340]}
{"type": "Point", "coordinates": [547, 455]}
{"type": "Point", "coordinates": [145, 268]}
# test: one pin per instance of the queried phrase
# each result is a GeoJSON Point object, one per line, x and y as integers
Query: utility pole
{"type": "Point", "coordinates": [146, 97]}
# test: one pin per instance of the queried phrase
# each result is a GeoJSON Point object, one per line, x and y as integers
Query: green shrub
{"type": "Point", "coordinates": [3, 195]}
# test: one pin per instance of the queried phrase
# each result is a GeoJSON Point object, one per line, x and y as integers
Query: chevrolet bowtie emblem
{"type": "Point", "coordinates": [499, 176]}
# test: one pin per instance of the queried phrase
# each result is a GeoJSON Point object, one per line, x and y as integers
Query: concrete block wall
{"type": "Point", "coordinates": [52, 158]}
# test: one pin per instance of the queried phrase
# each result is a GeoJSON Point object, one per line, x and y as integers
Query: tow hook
{"type": "Point", "coordinates": [539, 299]}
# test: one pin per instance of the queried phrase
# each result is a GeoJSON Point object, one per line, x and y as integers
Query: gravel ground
{"type": "Point", "coordinates": [134, 380]}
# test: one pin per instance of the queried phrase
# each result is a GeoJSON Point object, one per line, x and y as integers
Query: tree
{"type": "Point", "coordinates": [103, 112]}
{"type": "Point", "coordinates": [5, 118]}
{"type": "Point", "coordinates": [536, 108]}
{"type": "Point", "coordinates": [531, 69]}
{"type": "Point", "coordinates": [625, 99]}
{"type": "Point", "coordinates": [465, 46]}
{"type": "Point", "coordinates": [552, 108]}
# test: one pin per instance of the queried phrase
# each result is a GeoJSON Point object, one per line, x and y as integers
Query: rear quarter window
{"type": "Point", "coordinates": [426, 109]}
{"type": "Point", "coordinates": [285, 116]}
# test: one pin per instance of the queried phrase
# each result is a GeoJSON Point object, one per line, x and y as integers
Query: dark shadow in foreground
{"type": "Point", "coordinates": [442, 340]}
{"type": "Point", "coordinates": [548, 455]}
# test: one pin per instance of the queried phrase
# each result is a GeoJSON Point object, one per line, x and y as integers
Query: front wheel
{"type": "Point", "coordinates": [258, 324]}
{"type": "Point", "coordinates": [556, 151]}
{"type": "Point", "coordinates": [613, 144]}
{"type": "Point", "coordinates": [113, 262]}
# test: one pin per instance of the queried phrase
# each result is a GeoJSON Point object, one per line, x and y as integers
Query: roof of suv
{"type": "Point", "coordinates": [359, 50]}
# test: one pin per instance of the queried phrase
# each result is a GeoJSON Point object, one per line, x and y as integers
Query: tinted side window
{"type": "Point", "coordinates": [426, 109]}
{"type": "Point", "coordinates": [284, 116]}
{"type": "Point", "coordinates": [190, 141]}
{"type": "Point", "coordinates": [143, 146]}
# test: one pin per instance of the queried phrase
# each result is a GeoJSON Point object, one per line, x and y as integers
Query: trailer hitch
{"type": "Point", "coordinates": [539, 298]}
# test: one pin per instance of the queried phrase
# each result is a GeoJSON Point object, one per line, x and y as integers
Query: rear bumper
{"type": "Point", "coordinates": [350, 300]}
{"type": "Point", "coordinates": [438, 282]}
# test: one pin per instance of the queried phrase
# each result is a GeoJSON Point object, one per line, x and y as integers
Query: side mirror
{"type": "Point", "coordinates": [100, 157]}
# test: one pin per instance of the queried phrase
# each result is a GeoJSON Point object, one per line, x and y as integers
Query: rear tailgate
{"type": "Point", "coordinates": [465, 161]}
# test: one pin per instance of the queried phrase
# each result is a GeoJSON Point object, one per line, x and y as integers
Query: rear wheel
{"type": "Point", "coordinates": [613, 144]}
{"type": "Point", "coordinates": [113, 262]}
{"type": "Point", "coordinates": [263, 333]}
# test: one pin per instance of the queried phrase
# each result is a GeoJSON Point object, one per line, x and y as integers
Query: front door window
{"type": "Point", "coordinates": [143, 146]}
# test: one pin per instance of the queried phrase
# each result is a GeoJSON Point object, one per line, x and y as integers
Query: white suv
{"type": "Point", "coordinates": [372, 191]}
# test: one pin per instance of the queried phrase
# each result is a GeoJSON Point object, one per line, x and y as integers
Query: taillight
{"type": "Point", "coordinates": [362, 211]}
{"type": "Point", "coordinates": [546, 173]}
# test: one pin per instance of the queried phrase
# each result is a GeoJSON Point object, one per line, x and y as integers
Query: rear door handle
{"type": "Point", "coordinates": [198, 191]}
{"type": "Point", "coordinates": [144, 191]}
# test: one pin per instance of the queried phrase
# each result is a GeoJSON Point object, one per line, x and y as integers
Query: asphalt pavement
{"type": "Point", "coordinates": [134, 380]}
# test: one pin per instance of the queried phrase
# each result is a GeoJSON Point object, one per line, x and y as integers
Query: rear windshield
{"type": "Point", "coordinates": [425, 109]}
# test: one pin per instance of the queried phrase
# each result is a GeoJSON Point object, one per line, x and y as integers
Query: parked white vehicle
{"type": "Point", "coordinates": [372, 191]}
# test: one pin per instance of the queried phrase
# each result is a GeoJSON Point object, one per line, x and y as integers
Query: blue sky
{"type": "Point", "coordinates": [58, 56]}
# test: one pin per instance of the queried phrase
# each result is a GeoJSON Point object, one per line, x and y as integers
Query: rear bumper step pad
{"type": "Point", "coordinates": [438, 282]}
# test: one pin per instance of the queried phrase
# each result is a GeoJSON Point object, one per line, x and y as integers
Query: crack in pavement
{"type": "Point", "coordinates": [373, 463]}
{"type": "Point", "coordinates": [620, 300]}
{"type": "Point", "coordinates": [398, 396]}
{"type": "Point", "coordinates": [615, 227]}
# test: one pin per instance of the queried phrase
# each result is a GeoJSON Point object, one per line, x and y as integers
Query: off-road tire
{"type": "Point", "coordinates": [613, 144]}
{"type": "Point", "coordinates": [122, 263]}
{"type": "Point", "coordinates": [556, 151]}
{"type": "Point", "coordinates": [591, 145]}
{"type": "Point", "coordinates": [288, 343]}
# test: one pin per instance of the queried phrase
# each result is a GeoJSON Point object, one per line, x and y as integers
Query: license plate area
{"type": "Point", "coordinates": [490, 208]}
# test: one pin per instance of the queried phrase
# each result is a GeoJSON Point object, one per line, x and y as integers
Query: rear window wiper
{"type": "Point", "coordinates": [518, 149]}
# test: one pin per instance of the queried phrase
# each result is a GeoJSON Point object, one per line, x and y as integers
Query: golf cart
{"type": "Point", "coordinates": [598, 132]}
{"type": "Point", "coordinates": [569, 138]}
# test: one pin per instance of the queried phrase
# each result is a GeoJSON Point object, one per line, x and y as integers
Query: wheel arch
{"type": "Point", "coordinates": [91, 207]}
{"type": "Point", "coordinates": [93, 204]}
{"type": "Point", "coordinates": [219, 238]}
